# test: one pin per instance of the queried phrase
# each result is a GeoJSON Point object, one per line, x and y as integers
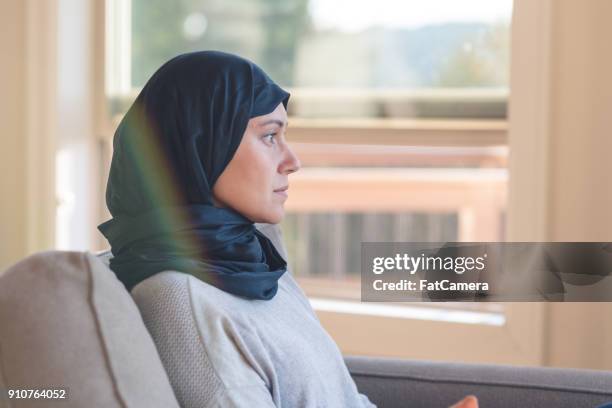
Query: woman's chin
{"type": "Point", "coordinates": [274, 216]}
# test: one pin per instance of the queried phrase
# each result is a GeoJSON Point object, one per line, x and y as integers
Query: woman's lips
{"type": "Point", "coordinates": [282, 193]}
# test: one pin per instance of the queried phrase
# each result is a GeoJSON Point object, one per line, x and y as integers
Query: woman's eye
{"type": "Point", "coordinates": [271, 137]}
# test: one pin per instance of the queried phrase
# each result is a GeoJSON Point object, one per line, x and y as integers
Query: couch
{"type": "Point", "coordinates": [67, 322]}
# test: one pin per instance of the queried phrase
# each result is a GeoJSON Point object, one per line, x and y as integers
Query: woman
{"type": "Point", "coordinates": [198, 159]}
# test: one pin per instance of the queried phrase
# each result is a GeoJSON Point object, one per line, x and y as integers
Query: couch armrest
{"type": "Point", "coordinates": [391, 383]}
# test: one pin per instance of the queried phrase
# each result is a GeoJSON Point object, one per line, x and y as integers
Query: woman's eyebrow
{"type": "Point", "coordinates": [274, 121]}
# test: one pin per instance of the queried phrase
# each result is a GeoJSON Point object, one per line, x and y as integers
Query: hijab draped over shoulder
{"type": "Point", "coordinates": [170, 148]}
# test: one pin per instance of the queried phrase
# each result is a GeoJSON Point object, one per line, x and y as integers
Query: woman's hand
{"type": "Point", "coordinates": [468, 402]}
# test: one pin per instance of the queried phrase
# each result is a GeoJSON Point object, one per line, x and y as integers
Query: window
{"type": "Point", "coordinates": [396, 90]}
{"type": "Point", "coordinates": [390, 58]}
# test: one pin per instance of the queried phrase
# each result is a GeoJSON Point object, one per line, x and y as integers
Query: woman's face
{"type": "Point", "coordinates": [260, 167]}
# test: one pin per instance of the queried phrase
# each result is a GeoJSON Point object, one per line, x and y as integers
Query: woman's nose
{"type": "Point", "coordinates": [291, 163]}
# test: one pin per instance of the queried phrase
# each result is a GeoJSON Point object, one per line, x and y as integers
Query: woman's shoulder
{"type": "Point", "coordinates": [168, 291]}
{"type": "Point", "coordinates": [167, 288]}
{"type": "Point", "coordinates": [196, 332]}
{"type": "Point", "coordinates": [180, 290]}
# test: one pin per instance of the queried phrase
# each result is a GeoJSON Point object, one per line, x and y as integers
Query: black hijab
{"type": "Point", "coordinates": [170, 148]}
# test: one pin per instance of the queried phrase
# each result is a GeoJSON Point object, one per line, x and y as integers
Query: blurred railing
{"type": "Point", "coordinates": [346, 194]}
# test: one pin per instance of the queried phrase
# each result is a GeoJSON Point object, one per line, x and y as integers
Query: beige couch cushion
{"type": "Point", "coordinates": [67, 321]}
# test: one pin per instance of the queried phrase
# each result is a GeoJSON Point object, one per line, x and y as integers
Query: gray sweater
{"type": "Point", "coordinates": [222, 350]}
